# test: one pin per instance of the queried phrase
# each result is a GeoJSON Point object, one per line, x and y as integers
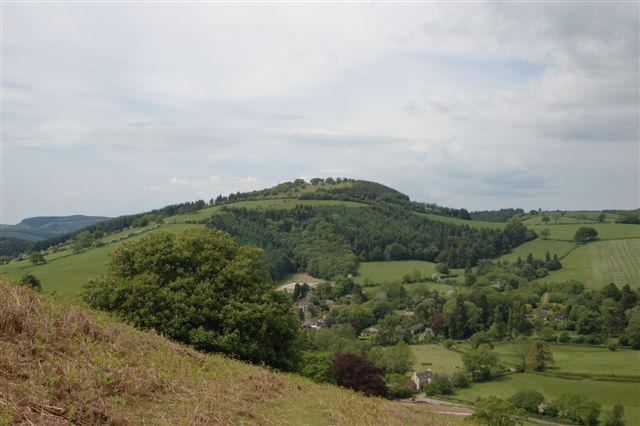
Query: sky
{"type": "Point", "coordinates": [113, 108]}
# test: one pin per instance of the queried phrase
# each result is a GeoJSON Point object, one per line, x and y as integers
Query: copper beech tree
{"type": "Point", "coordinates": [357, 373]}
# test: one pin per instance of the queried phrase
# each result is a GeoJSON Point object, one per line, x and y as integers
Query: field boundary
{"type": "Point", "coordinates": [589, 376]}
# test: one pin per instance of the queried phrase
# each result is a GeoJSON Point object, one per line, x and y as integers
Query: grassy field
{"type": "Point", "coordinates": [580, 359]}
{"type": "Point", "coordinates": [437, 358]}
{"type": "Point", "coordinates": [443, 289]}
{"type": "Point", "coordinates": [538, 248]}
{"type": "Point", "coordinates": [85, 368]}
{"type": "Point", "coordinates": [607, 393]}
{"type": "Point", "coordinates": [268, 203]}
{"type": "Point", "coordinates": [575, 359]}
{"type": "Point", "coordinates": [571, 217]}
{"type": "Point", "coordinates": [471, 223]}
{"type": "Point", "coordinates": [379, 272]}
{"type": "Point", "coordinates": [601, 262]}
{"type": "Point", "coordinates": [616, 261]}
{"type": "Point", "coordinates": [606, 231]}
{"type": "Point", "coordinates": [66, 275]}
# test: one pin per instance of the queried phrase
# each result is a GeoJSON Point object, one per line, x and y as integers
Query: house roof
{"type": "Point", "coordinates": [425, 375]}
{"type": "Point", "coordinates": [410, 384]}
{"type": "Point", "coordinates": [416, 327]}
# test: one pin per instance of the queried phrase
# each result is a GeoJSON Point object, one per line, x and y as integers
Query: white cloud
{"type": "Point", "coordinates": [61, 194]}
{"type": "Point", "coordinates": [209, 187]}
{"type": "Point", "coordinates": [222, 156]}
{"type": "Point", "coordinates": [470, 104]}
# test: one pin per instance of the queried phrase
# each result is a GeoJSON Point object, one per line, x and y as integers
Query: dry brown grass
{"type": "Point", "coordinates": [62, 364]}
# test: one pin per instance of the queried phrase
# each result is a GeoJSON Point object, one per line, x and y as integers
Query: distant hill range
{"type": "Point", "coordinates": [42, 227]}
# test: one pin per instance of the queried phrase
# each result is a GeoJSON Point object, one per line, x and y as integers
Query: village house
{"type": "Point", "coordinates": [416, 328]}
{"type": "Point", "coordinates": [369, 331]}
{"type": "Point", "coordinates": [312, 324]}
{"type": "Point", "coordinates": [422, 378]}
{"type": "Point", "coordinates": [305, 302]}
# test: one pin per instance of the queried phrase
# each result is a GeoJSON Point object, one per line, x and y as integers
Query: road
{"type": "Point", "coordinates": [455, 409]}
{"type": "Point", "coordinates": [440, 406]}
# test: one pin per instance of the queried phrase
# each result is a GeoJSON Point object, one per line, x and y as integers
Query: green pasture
{"type": "Point", "coordinates": [324, 187]}
{"type": "Point", "coordinates": [67, 274]}
{"type": "Point", "coordinates": [437, 358]}
{"type": "Point", "coordinates": [616, 261]}
{"type": "Point", "coordinates": [203, 214]}
{"type": "Point", "coordinates": [127, 233]}
{"type": "Point", "coordinates": [538, 249]}
{"type": "Point", "coordinates": [263, 204]}
{"type": "Point", "coordinates": [61, 252]}
{"type": "Point", "coordinates": [388, 271]}
{"type": "Point", "coordinates": [607, 393]}
{"type": "Point", "coordinates": [441, 287]}
{"type": "Point", "coordinates": [472, 223]}
{"type": "Point", "coordinates": [581, 359]}
{"type": "Point", "coordinates": [598, 263]}
{"type": "Point", "coordinates": [606, 231]}
{"type": "Point", "coordinates": [572, 217]}
{"type": "Point", "coordinates": [537, 220]}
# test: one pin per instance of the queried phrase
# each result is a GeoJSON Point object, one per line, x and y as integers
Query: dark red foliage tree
{"type": "Point", "coordinates": [438, 324]}
{"type": "Point", "coordinates": [357, 373]}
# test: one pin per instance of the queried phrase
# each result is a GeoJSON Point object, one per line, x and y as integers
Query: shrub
{"type": "Point", "coordinates": [449, 343]}
{"type": "Point", "coordinates": [595, 339]}
{"type": "Point", "coordinates": [528, 400]}
{"type": "Point", "coordinates": [632, 333]}
{"type": "Point", "coordinates": [494, 411]}
{"type": "Point", "coordinates": [29, 280]}
{"type": "Point", "coordinates": [579, 409]}
{"type": "Point", "coordinates": [460, 379]}
{"type": "Point", "coordinates": [578, 339]}
{"type": "Point", "coordinates": [440, 385]}
{"type": "Point", "coordinates": [564, 338]}
{"type": "Point", "coordinates": [616, 416]}
{"type": "Point", "coordinates": [401, 391]}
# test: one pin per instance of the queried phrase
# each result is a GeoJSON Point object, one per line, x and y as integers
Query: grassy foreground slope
{"type": "Point", "coordinates": [61, 364]}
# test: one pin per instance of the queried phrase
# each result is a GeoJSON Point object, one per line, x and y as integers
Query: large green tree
{"type": "Point", "coordinates": [494, 411]}
{"type": "Point", "coordinates": [584, 234]}
{"type": "Point", "coordinates": [201, 288]}
{"type": "Point", "coordinates": [479, 362]}
{"type": "Point", "coordinates": [37, 258]}
{"type": "Point", "coordinates": [633, 333]}
{"type": "Point", "coordinates": [616, 416]}
{"type": "Point", "coordinates": [539, 356]}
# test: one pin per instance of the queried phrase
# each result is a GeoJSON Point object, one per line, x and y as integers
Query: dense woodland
{"type": "Point", "coordinates": [502, 215]}
{"type": "Point", "coordinates": [329, 240]}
